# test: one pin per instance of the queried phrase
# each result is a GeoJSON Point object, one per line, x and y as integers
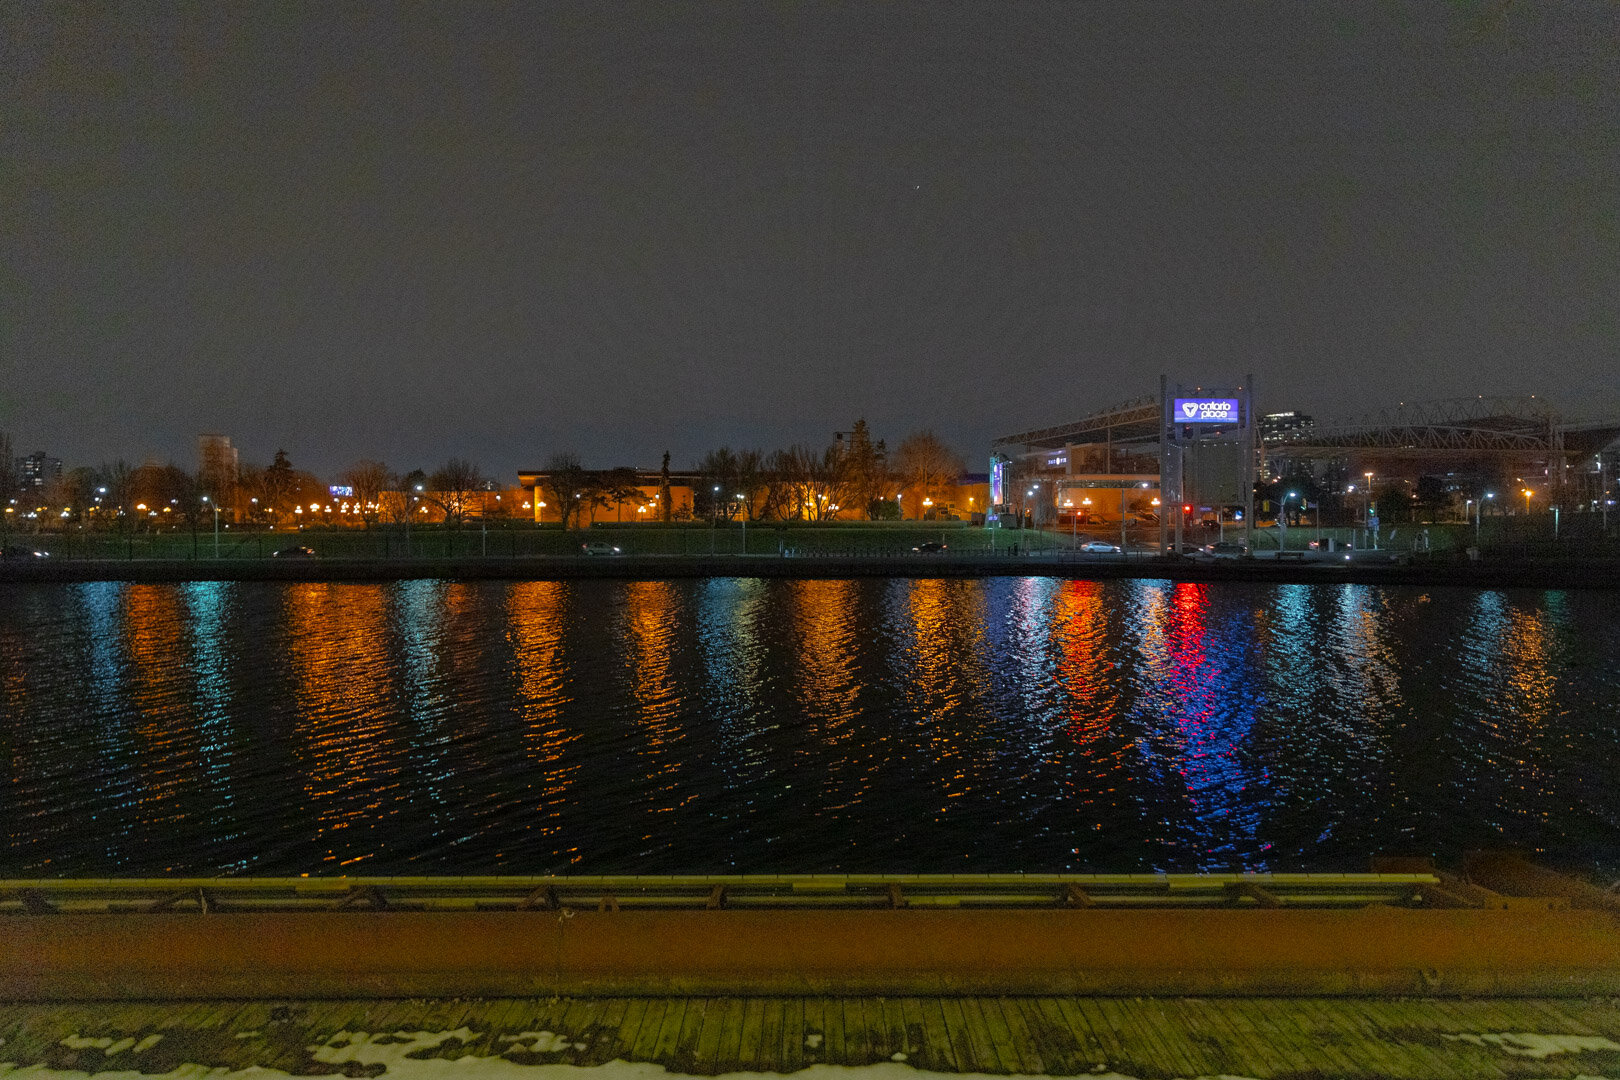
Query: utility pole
{"type": "Point", "coordinates": [1164, 464]}
{"type": "Point", "coordinates": [1251, 451]}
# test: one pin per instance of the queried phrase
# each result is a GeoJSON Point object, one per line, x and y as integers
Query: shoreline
{"type": "Point", "coordinates": [1586, 574]}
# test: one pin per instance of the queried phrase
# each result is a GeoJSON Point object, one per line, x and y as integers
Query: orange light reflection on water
{"type": "Point", "coordinates": [822, 618]}
{"type": "Point", "coordinates": [167, 758]}
{"type": "Point", "coordinates": [650, 614]}
{"type": "Point", "coordinates": [1091, 700]}
{"type": "Point", "coordinates": [347, 733]}
{"type": "Point", "coordinates": [1529, 659]}
{"type": "Point", "coordinates": [537, 615]}
{"type": "Point", "coordinates": [944, 676]}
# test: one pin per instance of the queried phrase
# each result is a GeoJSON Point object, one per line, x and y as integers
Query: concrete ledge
{"type": "Point", "coordinates": [1374, 951]}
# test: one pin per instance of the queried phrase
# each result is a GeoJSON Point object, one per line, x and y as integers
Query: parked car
{"type": "Point", "coordinates": [18, 551]}
{"type": "Point", "coordinates": [929, 547]}
{"type": "Point", "coordinates": [600, 547]}
{"type": "Point", "coordinates": [297, 551]}
{"type": "Point", "coordinates": [1226, 549]}
{"type": "Point", "coordinates": [1097, 547]}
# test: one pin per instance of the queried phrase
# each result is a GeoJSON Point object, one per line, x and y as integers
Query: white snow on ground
{"type": "Point", "coordinates": [1526, 1044]}
{"type": "Point", "coordinates": [392, 1050]}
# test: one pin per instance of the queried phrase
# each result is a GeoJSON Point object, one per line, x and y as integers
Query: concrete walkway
{"type": "Point", "coordinates": [1517, 951]}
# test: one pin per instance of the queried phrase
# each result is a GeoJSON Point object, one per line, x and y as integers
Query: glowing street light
{"type": "Point", "coordinates": [215, 507]}
{"type": "Point", "coordinates": [1528, 492]}
{"type": "Point", "coordinates": [1603, 497]}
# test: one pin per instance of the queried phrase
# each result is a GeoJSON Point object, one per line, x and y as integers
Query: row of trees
{"type": "Point", "coordinates": [853, 475]}
{"type": "Point", "coordinates": [119, 495]}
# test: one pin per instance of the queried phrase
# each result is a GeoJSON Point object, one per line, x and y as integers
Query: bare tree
{"type": "Point", "coordinates": [812, 486]}
{"type": "Point", "coordinates": [734, 473]}
{"type": "Point", "coordinates": [368, 479]}
{"type": "Point", "coordinates": [717, 477]}
{"type": "Point", "coordinates": [615, 488]}
{"type": "Point", "coordinates": [8, 469]}
{"type": "Point", "coordinates": [398, 498]}
{"type": "Point", "coordinates": [753, 483]}
{"type": "Point", "coordinates": [452, 488]}
{"type": "Point", "coordinates": [567, 484]}
{"type": "Point", "coordinates": [76, 493]}
{"type": "Point", "coordinates": [927, 466]}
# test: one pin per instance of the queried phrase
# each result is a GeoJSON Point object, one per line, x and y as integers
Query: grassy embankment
{"type": "Point", "coordinates": [1515, 537]}
{"type": "Point", "coordinates": [524, 539]}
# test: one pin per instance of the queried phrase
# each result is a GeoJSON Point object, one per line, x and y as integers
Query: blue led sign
{"type": "Point", "coordinates": [1206, 411]}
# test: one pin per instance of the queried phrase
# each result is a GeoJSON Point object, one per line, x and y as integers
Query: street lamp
{"type": "Point", "coordinates": [1603, 497]}
{"type": "Point", "coordinates": [1282, 520]}
{"type": "Point", "coordinates": [215, 507]}
{"type": "Point", "coordinates": [742, 513]}
{"type": "Point", "coordinates": [1366, 508]}
{"type": "Point", "coordinates": [1527, 493]}
{"type": "Point", "coordinates": [410, 508]}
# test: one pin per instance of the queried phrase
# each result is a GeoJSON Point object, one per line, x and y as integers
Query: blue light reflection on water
{"type": "Point", "coordinates": [752, 726]}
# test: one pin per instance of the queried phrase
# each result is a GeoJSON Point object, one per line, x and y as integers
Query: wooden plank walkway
{"type": "Point", "coordinates": [1144, 1038]}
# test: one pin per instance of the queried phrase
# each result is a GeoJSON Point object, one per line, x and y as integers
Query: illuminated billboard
{"type": "Point", "coordinates": [998, 480]}
{"type": "Point", "coordinates": [1206, 411]}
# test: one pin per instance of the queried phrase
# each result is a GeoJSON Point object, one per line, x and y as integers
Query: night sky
{"type": "Point", "coordinates": [495, 231]}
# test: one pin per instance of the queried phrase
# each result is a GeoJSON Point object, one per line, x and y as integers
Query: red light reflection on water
{"type": "Point", "coordinates": [1084, 668]}
{"type": "Point", "coordinates": [1211, 711]}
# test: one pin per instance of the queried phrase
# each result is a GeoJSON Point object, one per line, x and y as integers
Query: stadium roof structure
{"type": "Point", "coordinates": [1134, 421]}
{"type": "Point", "coordinates": [1510, 426]}
{"type": "Point", "coordinates": [1481, 425]}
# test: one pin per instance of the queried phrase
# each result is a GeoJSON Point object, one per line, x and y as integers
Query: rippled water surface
{"type": "Point", "coordinates": [751, 726]}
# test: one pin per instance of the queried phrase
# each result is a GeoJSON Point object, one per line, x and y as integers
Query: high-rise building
{"type": "Point", "coordinates": [38, 469]}
{"type": "Point", "coordinates": [216, 462]}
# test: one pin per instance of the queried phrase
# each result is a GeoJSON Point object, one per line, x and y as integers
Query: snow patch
{"type": "Point", "coordinates": [392, 1049]}
{"type": "Point", "coordinates": [109, 1047]}
{"type": "Point", "coordinates": [541, 1042]}
{"type": "Point", "coordinates": [1531, 1045]}
{"type": "Point", "coordinates": [389, 1049]}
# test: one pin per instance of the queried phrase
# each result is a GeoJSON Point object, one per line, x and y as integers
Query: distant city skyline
{"type": "Point", "coordinates": [496, 232]}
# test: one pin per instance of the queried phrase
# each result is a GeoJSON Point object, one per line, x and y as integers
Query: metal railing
{"type": "Point", "coordinates": [855, 891]}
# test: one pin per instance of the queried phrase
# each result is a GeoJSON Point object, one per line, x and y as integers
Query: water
{"type": "Point", "coordinates": [739, 726]}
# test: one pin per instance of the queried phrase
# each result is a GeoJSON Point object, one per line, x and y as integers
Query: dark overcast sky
{"type": "Point", "coordinates": [417, 231]}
